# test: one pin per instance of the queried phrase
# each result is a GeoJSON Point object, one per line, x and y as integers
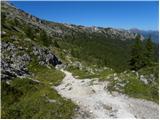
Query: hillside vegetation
{"type": "Point", "coordinates": [31, 48]}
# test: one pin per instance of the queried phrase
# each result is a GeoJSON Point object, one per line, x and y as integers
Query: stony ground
{"type": "Point", "coordinates": [95, 101]}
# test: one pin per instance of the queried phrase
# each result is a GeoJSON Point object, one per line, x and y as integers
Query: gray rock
{"type": "Point", "coordinates": [61, 66]}
{"type": "Point", "coordinates": [143, 79]}
{"type": "Point", "coordinates": [77, 64]}
{"type": "Point", "coordinates": [13, 65]}
{"type": "Point", "coordinates": [45, 57]}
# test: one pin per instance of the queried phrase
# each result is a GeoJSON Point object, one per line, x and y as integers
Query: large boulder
{"type": "Point", "coordinates": [45, 56]}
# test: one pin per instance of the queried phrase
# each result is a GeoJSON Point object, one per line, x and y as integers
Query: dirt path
{"type": "Point", "coordinates": [95, 102]}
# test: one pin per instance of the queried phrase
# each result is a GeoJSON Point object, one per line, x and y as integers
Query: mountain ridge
{"type": "Point", "coordinates": [48, 25]}
{"type": "Point", "coordinates": [154, 34]}
{"type": "Point", "coordinates": [144, 33]}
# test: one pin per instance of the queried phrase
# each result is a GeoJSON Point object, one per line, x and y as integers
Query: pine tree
{"type": "Point", "coordinates": [44, 38]}
{"type": "Point", "coordinates": [29, 32]}
{"type": "Point", "coordinates": [137, 57]}
{"type": "Point", "coordinates": [148, 53]}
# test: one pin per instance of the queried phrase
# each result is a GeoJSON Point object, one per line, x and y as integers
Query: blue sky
{"type": "Point", "coordinates": [142, 15]}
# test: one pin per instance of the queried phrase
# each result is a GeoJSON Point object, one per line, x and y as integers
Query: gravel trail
{"type": "Point", "coordinates": [95, 101]}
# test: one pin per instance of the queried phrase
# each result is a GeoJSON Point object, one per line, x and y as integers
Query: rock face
{"type": "Point", "coordinates": [45, 57]}
{"type": "Point", "coordinates": [14, 63]}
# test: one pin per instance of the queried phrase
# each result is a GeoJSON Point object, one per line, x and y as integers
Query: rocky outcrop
{"type": "Point", "coordinates": [45, 57]}
{"type": "Point", "coordinates": [12, 63]}
{"type": "Point", "coordinates": [15, 60]}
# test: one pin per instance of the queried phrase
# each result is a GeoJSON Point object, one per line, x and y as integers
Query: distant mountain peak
{"type": "Point", "coordinates": [146, 33]}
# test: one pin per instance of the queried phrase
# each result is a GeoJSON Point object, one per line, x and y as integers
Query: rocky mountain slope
{"type": "Point", "coordinates": [152, 33]}
{"type": "Point", "coordinates": [15, 57]}
{"type": "Point", "coordinates": [34, 51]}
{"type": "Point", "coordinates": [55, 30]}
{"type": "Point", "coordinates": [58, 29]}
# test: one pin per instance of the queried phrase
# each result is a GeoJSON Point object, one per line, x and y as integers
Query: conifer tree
{"type": "Point", "coordinates": [137, 58]}
{"type": "Point", "coordinates": [29, 32]}
{"type": "Point", "coordinates": [148, 53]}
{"type": "Point", "coordinates": [44, 38]}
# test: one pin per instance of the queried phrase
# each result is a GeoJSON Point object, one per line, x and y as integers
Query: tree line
{"type": "Point", "coordinates": [98, 50]}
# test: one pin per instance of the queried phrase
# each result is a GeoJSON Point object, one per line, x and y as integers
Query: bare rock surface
{"type": "Point", "coordinates": [14, 60]}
